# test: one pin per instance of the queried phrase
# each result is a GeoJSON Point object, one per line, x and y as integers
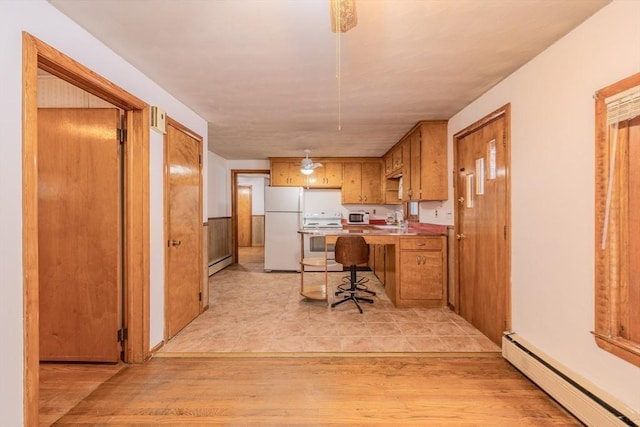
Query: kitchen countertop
{"type": "Point", "coordinates": [420, 229]}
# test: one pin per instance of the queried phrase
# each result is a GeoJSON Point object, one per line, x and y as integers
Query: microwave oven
{"type": "Point", "coordinates": [360, 217]}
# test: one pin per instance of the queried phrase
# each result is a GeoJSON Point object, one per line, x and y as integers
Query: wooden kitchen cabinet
{"type": "Point", "coordinates": [393, 161]}
{"type": "Point", "coordinates": [392, 194]}
{"type": "Point", "coordinates": [415, 166]}
{"type": "Point", "coordinates": [362, 182]}
{"type": "Point", "coordinates": [287, 173]}
{"type": "Point", "coordinates": [329, 175]}
{"type": "Point", "coordinates": [433, 161]}
{"type": "Point", "coordinates": [424, 162]}
{"type": "Point", "coordinates": [423, 272]}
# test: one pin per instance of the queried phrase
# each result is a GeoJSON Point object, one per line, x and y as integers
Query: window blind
{"type": "Point", "coordinates": [623, 106]}
{"type": "Point", "coordinates": [620, 107]}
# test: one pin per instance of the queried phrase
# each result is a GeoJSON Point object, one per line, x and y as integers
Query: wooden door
{"type": "Point", "coordinates": [244, 215]}
{"type": "Point", "coordinates": [79, 234]}
{"type": "Point", "coordinates": [482, 220]}
{"type": "Point", "coordinates": [183, 228]}
{"type": "Point", "coordinates": [371, 183]}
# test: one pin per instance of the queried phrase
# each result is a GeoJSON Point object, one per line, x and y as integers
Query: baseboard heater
{"type": "Point", "coordinates": [584, 400]}
{"type": "Point", "coordinates": [219, 264]}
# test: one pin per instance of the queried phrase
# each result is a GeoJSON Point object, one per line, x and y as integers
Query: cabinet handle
{"type": "Point", "coordinates": [420, 244]}
{"type": "Point", "coordinates": [365, 198]}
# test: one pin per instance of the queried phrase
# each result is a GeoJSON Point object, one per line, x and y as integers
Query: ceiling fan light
{"type": "Point", "coordinates": [306, 171]}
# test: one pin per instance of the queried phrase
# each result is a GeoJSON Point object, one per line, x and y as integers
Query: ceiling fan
{"type": "Point", "coordinates": [307, 165]}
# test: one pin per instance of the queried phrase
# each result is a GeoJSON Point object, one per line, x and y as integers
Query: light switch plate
{"type": "Point", "coordinates": [158, 119]}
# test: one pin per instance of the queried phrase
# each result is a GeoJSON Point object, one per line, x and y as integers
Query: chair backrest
{"type": "Point", "coordinates": [351, 250]}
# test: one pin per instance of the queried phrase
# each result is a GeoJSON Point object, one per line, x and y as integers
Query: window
{"type": "Point", "coordinates": [617, 251]}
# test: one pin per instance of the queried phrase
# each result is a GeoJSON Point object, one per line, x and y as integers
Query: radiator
{"type": "Point", "coordinates": [584, 400]}
{"type": "Point", "coordinates": [219, 264]}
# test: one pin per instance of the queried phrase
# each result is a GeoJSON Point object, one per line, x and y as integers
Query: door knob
{"type": "Point", "coordinates": [460, 236]}
{"type": "Point", "coordinates": [461, 199]}
{"type": "Point", "coordinates": [175, 242]}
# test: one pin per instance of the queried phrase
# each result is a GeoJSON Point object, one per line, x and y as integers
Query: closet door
{"type": "Point", "coordinates": [79, 234]}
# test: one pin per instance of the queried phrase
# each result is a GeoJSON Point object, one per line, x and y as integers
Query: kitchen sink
{"type": "Point", "coordinates": [387, 227]}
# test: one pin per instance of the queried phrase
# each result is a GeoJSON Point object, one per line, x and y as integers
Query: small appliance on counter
{"type": "Point", "coordinates": [358, 218]}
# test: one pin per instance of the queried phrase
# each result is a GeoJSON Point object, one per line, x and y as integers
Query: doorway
{"type": "Point", "coordinates": [135, 265]}
{"type": "Point", "coordinates": [482, 168]}
{"type": "Point", "coordinates": [255, 250]}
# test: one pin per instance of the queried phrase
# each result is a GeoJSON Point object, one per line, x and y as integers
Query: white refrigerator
{"type": "Point", "coordinates": [283, 218]}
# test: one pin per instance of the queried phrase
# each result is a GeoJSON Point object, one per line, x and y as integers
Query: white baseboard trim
{"type": "Point", "coordinates": [590, 404]}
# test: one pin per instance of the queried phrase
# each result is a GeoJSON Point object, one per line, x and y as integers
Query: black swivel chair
{"type": "Point", "coordinates": [351, 251]}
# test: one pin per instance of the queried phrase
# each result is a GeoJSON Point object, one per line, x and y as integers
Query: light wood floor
{"type": "Point", "coordinates": [63, 386]}
{"type": "Point", "coordinates": [319, 391]}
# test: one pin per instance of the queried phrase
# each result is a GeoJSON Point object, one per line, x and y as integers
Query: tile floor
{"type": "Point", "coordinates": [258, 312]}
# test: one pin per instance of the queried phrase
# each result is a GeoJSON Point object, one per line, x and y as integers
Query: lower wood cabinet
{"type": "Point", "coordinates": [422, 272]}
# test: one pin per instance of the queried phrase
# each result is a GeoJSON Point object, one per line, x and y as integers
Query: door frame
{"type": "Point", "coordinates": [182, 128]}
{"type": "Point", "coordinates": [234, 204]}
{"type": "Point", "coordinates": [37, 54]}
{"type": "Point", "coordinates": [505, 111]}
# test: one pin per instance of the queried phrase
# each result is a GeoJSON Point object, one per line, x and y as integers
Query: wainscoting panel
{"type": "Point", "coordinates": [257, 230]}
{"type": "Point", "coordinates": [220, 245]}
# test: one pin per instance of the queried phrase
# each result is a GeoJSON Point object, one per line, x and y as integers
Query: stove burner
{"type": "Point", "coordinates": [322, 220]}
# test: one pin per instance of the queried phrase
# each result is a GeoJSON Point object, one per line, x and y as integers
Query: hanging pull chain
{"type": "Point", "coordinates": [338, 62]}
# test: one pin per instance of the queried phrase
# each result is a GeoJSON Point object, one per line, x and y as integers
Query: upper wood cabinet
{"type": "Point", "coordinates": [424, 164]}
{"type": "Point", "coordinates": [287, 173]}
{"type": "Point", "coordinates": [433, 173]}
{"type": "Point", "coordinates": [393, 161]}
{"type": "Point", "coordinates": [362, 182]}
{"type": "Point", "coordinates": [329, 175]}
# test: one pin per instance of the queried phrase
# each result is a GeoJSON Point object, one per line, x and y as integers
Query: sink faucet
{"type": "Point", "coordinates": [399, 217]}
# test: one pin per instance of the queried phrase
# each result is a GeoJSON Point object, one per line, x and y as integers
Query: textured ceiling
{"type": "Point", "coordinates": [263, 72]}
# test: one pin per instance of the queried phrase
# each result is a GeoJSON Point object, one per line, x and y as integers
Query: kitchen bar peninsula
{"type": "Point", "coordinates": [411, 264]}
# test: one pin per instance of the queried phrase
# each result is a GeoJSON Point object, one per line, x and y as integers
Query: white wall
{"type": "Point", "coordinates": [219, 180]}
{"type": "Point", "coordinates": [43, 21]}
{"type": "Point", "coordinates": [257, 184]}
{"type": "Point", "coordinates": [552, 193]}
